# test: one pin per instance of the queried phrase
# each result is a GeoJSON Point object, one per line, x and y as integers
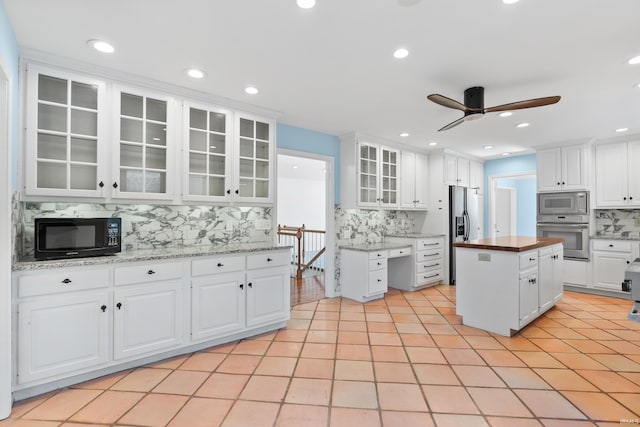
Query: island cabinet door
{"type": "Point", "coordinates": [217, 305]}
{"type": "Point", "coordinates": [528, 285]}
{"type": "Point", "coordinates": [546, 283]}
{"type": "Point", "coordinates": [147, 318]}
{"type": "Point", "coordinates": [60, 335]}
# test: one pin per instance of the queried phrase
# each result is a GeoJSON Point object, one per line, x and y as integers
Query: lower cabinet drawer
{"type": "Point", "coordinates": [268, 259]}
{"type": "Point", "coordinates": [377, 281]}
{"type": "Point", "coordinates": [428, 244]}
{"type": "Point", "coordinates": [430, 265]}
{"type": "Point", "coordinates": [377, 264]}
{"type": "Point", "coordinates": [206, 266]}
{"type": "Point", "coordinates": [148, 273]}
{"type": "Point", "coordinates": [428, 277]}
{"type": "Point", "coordinates": [55, 281]}
{"type": "Point", "coordinates": [393, 253]}
{"type": "Point", "coordinates": [432, 254]}
{"type": "Point", "coordinates": [611, 245]}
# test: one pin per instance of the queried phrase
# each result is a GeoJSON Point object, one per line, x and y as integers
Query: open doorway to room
{"type": "Point", "coordinates": [512, 205]}
{"type": "Point", "coordinates": [305, 221]}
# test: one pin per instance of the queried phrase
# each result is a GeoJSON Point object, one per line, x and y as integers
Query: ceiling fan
{"type": "Point", "coordinates": [473, 106]}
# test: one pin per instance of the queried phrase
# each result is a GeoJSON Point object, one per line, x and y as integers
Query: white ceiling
{"type": "Point", "coordinates": [330, 68]}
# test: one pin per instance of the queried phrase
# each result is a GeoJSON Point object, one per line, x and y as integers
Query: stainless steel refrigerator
{"type": "Point", "coordinates": [463, 221]}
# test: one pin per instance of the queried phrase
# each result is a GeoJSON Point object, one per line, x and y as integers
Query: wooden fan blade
{"type": "Point", "coordinates": [452, 124]}
{"type": "Point", "coordinates": [447, 102]}
{"type": "Point", "coordinates": [519, 105]}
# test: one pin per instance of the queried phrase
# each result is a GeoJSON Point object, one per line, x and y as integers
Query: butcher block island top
{"type": "Point", "coordinates": [510, 243]}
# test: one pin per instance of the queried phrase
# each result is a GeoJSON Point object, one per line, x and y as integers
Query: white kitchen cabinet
{"type": "Point", "coordinates": [550, 276]}
{"type": "Point", "coordinates": [414, 189]}
{"type": "Point", "coordinates": [610, 260]}
{"type": "Point", "coordinates": [427, 263]}
{"type": "Point", "coordinates": [147, 319]}
{"type": "Point", "coordinates": [65, 134]}
{"type": "Point", "coordinates": [363, 274]}
{"type": "Point", "coordinates": [456, 170]}
{"type": "Point", "coordinates": [476, 176]}
{"type": "Point", "coordinates": [617, 175]}
{"type": "Point", "coordinates": [562, 168]}
{"type": "Point", "coordinates": [217, 305]}
{"type": "Point", "coordinates": [62, 333]}
{"type": "Point", "coordinates": [371, 174]}
{"type": "Point", "coordinates": [528, 296]}
{"type": "Point", "coordinates": [253, 162]}
{"type": "Point", "coordinates": [268, 295]}
{"type": "Point", "coordinates": [143, 158]}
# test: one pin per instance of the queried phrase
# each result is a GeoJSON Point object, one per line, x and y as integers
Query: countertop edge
{"type": "Point", "coordinates": [548, 241]}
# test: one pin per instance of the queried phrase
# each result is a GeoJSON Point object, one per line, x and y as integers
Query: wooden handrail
{"type": "Point", "coordinates": [300, 248]}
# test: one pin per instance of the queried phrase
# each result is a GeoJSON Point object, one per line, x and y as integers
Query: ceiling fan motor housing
{"type": "Point", "coordinates": [474, 98]}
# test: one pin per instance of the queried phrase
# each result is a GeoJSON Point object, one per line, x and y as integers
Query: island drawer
{"type": "Point", "coordinates": [268, 259]}
{"type": "Point", "coordinates": [528, 259]}
{"type": "Point", "coordinates": [424, 244]}
{"type": "Point", "coordinates": [54, 281]}
{"type": "Point", "coordinates": [152, 272]}
{"type": "Point", "coordinates": [611, 245]}
{"type": "Point", "coordinates": [378, 254]}
{"type": "Point", "coordinates": [377, 264]}
{"type": "Point", "coordinates": [222, 264]}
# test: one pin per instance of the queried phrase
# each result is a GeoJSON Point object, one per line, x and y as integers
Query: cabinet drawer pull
{"type": "Point", "coordinates": [220, 264]}
{"type": "Point", "coordinates": [103, 308]}
{"type": "Point", "coordinates": [66, 281]}
{"type": "Point", "coordinates": [432, 265]}
{"type": "Point", "coordinates": [151, 272]}
{"type": "Point", "coordinates": [429, 277]}
{"type": "Point", "coordinates": [379, 280]}
{"type": "Point", "coordinates": [269, 259]}
{"type": "Point", "coordinates": [532, 259]}
{"type": "Point", "coordinates": [430, 244]}
{"type": "Point", "coordinates": [436, 254]}
{"type": "Point", "coordinates": [379, 263]}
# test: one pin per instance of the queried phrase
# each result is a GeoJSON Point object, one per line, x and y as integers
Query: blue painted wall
{"type": "Point", "coordinates": [10, 60]}
{"type": "Point", "coordinates": [293, 138]}
{"type": "Point", "coordinates": [526, 194]}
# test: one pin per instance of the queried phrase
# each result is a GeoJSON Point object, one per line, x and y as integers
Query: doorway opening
{"type": "Point", "coordinates": [512, 205]}
{"type": "Point", "coordinates": [304, 215]}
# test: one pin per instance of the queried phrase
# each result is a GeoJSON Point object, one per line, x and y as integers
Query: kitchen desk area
{"type": "Point", "coordinates": [505, 283]}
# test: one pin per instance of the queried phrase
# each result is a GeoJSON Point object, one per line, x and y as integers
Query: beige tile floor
{"type": "Point", "coordinates": [403, 361]}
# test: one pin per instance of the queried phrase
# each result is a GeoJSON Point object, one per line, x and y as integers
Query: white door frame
{"type": "Point", "coordinates": [492, 181]}
{"type": "Point", "coordinates": [6, 240]}
{"type": "Point", "coordinates": [329, 240]}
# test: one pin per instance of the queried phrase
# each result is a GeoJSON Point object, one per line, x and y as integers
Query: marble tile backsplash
{"type": "Point", "coordinates": [620, 223]}
{"type": "Point", "coordinates": [156, 226]}
{"type": "Point", "coordinates": [369, 226]}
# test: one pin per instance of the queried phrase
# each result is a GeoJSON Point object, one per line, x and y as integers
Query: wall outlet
{"type": "Point", "coordinates": [346, 233]}
{"type": "Point", "coordinates": [262, 224]}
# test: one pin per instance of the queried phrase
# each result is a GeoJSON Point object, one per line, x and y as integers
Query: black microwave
{"type": "Point", "coordinates": [58, 238]}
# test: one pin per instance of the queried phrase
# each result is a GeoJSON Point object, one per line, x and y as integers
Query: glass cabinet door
{"type": "Point", "coordinates": [368, 179]}
{"type": "Point", "coordinates": [63, 137]}
{"type": "Point", "coordinates": [389, 177]}
{"type": "Point", "coordinates": [208, 153]}
{"type": "Point", "coordinates": [255, 143]}
{"type": "Point", "coordinates": [143, 143]}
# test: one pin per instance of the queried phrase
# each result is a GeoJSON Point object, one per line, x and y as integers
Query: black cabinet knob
{"type": "Point", "coordinates": [241, 286]}
{"type": "Point", "coordinates": [66, 281]}
{"type": "Point", "coordinates": [558, 183]}
{"type": "Point", "coordinates": [229, 191]}
{"type": "Point", "coordinates": [119, 305]}
{"type": "Point", "coordinates": [250, 284]}
{"type": "Point", "coordinates": [610, 246]}
{"type": "Point", "coordinates": [532, 259]}
{"type": "Point", "coordinates": [115, 185]}
{"type": "Point", "coordinates": [624, 198]}
{"type": "Point", "coordinates": [151, 272]}
{"type": "Point", "coordinates": [101, 184]}
{"type": "Point", "coordinates": [103, 308]}
{"type": "Point", "coordinates": [220, 264]}
{"type": "Point", "coordinates": [269, 259]}
{"type": "Point", "coordinates": [237, 191]}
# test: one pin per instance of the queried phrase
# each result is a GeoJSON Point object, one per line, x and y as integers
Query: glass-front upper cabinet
{"type": "Point", "coordinates": [208, 150]}
{"type": "Point", "coordinates": [377, 176]}
{"type": "Point", "coordinates": [64, 134]}
{"type": "Point", "coordinates": [254, 160]}
{"type": "Point", "coordinates": [368, 175]}
{"type": "Point", "coordinates": [389, 177]}
{"type": "Point", "coordinates": [143, 165]}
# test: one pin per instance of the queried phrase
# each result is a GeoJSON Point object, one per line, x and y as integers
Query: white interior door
{"type": "Point", "coordinates": [505, 210]}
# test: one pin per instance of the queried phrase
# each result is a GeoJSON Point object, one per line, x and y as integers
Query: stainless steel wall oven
{"type": "Point", "coordinates": [566, 215]}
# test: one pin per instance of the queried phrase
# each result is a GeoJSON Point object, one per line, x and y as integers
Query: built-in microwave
{"type": "Point", "coordinates": [570, 206]}
{"type": "Point", "coordinates": [58, 238]}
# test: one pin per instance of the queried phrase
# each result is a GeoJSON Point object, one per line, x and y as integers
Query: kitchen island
{"type": "Point", "coordinates": [505, 283]}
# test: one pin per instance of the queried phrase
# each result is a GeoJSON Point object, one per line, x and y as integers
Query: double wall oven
{"type": "Point", "coordinates": [566, 215]}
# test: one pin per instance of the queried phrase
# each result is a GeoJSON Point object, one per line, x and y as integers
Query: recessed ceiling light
{"type": "Point", "coordinates": [306, 4]}
{"type": "Point", "coordinates": [637, 85]}
{"type": "Point", "coordinates": [433, 143]}
{"type": "Point", "coordinates": [619, 130]}
{"type": "Point", "coordinates": [251, 90]}
{"type": "Point", "coordinates": [194, 73]}
{"type": "Point", "coordinates": [505, 114]}
{"type": "Point", "coordinates": [522, 125]}
{"type": "Point", "coordinates": [400, 53]}
{"type": "Point", "coordinates": [510, 1]}
{"type": "Point", "coordinates": [635, 60]}
{"type": "Point", "coordinates": [404, 134]}
{"type": "Point", "coordinates": [505, 154]}
{"type": "Point", "coordinates": [488, 147]}
{"type": "Point", "coordinates": [101, 46]}
{"type": "Point", "coordinates": [294, 166]}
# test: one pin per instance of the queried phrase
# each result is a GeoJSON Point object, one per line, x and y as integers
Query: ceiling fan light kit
{"type": "Point", "coordinates": [473, 107]}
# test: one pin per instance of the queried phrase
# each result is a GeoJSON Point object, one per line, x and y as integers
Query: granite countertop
{"type": "Point", "coordinates": [372, 247]}
{"type": "Point", "coordinates": [147, 255]}
{"type": "Point", "coordinates": [510, 243]}
{"type": "Point", "coordinates": [617, 237]}
{"type": "Point", "coordinates": [415, 235]}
